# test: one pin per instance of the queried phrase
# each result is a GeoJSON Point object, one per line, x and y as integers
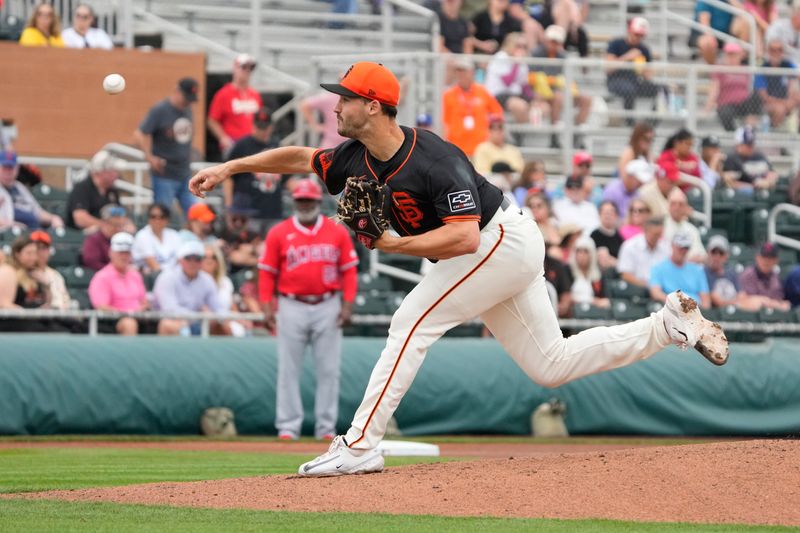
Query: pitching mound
{"type": "Point", "coordinates": [753, 482]}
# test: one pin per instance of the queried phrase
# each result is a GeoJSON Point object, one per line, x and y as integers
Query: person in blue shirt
{"type": "Point", "coordinates": [791, 287]}
{"type": "Point", "coordinates": [715, 18]}
{"type": "Point", "coordinates": [676, 273]}
{"type": "Point", "coordinates": [778, 92]}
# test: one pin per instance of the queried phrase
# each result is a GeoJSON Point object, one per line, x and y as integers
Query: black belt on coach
{"type": "Point", "coordinates": [311, 299]}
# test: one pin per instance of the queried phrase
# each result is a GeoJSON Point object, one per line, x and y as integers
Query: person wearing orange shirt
{"type": "Point", "coordinates": [467, 107]}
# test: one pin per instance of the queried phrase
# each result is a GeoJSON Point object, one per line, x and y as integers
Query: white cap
{"type": "Point", "coordinates": [642, 170]}
{"type": "Point", "coordinates": [245, 59]}
{"type": "Point", "coordinates": [555, 33]}
{"type": "Point", "coordinates": [464, 63]}
{"type": "Point", "coordinates": [122, 242]}
{"type": "Point", "coordinates": [639, 25]}
{"type": "Point", "coordinates": [192, 247]}
{"type": "Point", "coordinates": [105, 160]}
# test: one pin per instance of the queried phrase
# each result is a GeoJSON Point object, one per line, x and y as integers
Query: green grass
{"type": "Point", "coordinates": [25, 516]}
{"type": "Point", "coordinates": [36, 469]}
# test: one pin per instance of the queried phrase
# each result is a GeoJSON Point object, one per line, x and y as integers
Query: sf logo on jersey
{"type": "Point", "coordinates": [406, 208]}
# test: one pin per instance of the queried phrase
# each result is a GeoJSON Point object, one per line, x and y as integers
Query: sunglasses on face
{"type": "Point", "coordinates": [640, 210]}
{"type": "Point", "coordinates": [83, 16]}
{"type": "Point", "coordinates": [211, 257]}
{"type": "Point", "coordinates": [194, 258]}
{"type": "Point", "coordinates": [585, 165]}
{"type": "Point", "coordinates": [155, 216]}
{"type": "Point", "coordinates": [717, 251]}
{"type": "Point", "coordinates": [249, 68]}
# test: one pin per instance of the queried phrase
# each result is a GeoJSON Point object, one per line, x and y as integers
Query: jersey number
{"type": "Point", "coordinates": [407, 207]}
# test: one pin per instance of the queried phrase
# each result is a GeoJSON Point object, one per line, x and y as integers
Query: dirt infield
{"type": "Point", "coordinates": [752, 482]}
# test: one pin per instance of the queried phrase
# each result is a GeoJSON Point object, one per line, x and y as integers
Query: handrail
{"type": "Point", "coordinates": [705, 216]}
{"type": "Point", "coordinates": [772, 230]}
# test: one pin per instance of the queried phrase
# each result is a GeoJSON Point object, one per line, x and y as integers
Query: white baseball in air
{"type": "Point", "coordinates": [114, 84]}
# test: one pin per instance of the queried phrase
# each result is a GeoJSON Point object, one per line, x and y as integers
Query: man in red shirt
{"type": "Point", "coordinates": [230, 116]}
{"type": "Point", "coordinates": [312, 261]}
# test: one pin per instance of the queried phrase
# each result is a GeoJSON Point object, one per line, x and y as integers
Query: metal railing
{"type": "Point", "coordinates": [772, 229]}
{"type": "Point", "coordinates": [704, 217]}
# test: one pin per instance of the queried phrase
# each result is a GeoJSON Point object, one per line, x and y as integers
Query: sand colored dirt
{"type": "Point", "coordinates": [752, 482]}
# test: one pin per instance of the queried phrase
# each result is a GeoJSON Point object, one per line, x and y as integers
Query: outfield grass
{"type": "Point", "coordinates": [25, 516]}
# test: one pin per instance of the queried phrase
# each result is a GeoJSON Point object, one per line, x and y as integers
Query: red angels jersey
{"type": "Point", "coordinates": [308, 261]}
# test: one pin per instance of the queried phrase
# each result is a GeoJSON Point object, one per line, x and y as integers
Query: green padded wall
{"type": "Point", "coordinates": [152, 385]}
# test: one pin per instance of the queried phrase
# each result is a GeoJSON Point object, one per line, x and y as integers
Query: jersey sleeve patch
{"type": "Point", "coordinates": [460, 201]}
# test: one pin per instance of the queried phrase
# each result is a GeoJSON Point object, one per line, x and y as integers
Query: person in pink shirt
{"type": "Point", "coordinates": [230, 115]}
{"type": "Point", "coordinates": [320, 106]}
{"type": "Point", "coordinates": [119, 287]}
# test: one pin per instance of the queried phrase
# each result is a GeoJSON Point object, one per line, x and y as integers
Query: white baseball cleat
{"type": "Point", "coordinates": [340, 460]}
{"type": "Point", "coordinates": [687, 327]}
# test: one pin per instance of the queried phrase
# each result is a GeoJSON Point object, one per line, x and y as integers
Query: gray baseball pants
{"type": "Point", "coordinates": [299, 326]}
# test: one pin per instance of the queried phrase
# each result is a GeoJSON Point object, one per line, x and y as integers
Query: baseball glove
{"type": "Point", "coordinates": [361, 208]}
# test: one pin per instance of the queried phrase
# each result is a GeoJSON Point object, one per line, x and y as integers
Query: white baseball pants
{"type": "Point", "coordinates": [503, 284]}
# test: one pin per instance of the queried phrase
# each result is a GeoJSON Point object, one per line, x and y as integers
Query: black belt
{"type": "Point", "coordinates": [311, 299]}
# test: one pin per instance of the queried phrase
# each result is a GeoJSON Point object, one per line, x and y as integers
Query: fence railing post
{"type": "Point", "coordinates": [691, 99]}
{"type": "Point", "coordinates": [567, 115]}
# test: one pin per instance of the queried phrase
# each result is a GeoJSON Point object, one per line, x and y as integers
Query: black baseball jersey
{"type": "Point", "coordinates": [431, 181]}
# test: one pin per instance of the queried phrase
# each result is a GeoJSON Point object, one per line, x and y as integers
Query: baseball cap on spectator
{"type": "Point", "coordinates": [105, 160]}
{"type": "Point", "coordinates": [641, 169]}
{"type": "Point", "coordinates": [768, 249]}
{"type": "Point", "coordinates": [112, 210]}
{"type": "Point", "coordinates": [424, 120]}
{"type": "Point", "coordinates": [501, 167]}
{"type": "Point", "coordinates": [574, 182]}
{"type": "Point", "coordinates": [122, 242]}
{"type": "Point", "coordinates": [463, 63]}
{"type": "Point", "coordinates": [188, 87]}
{"type": "Point", "coordinates": [495, 118]}
{"type": "Point", "coordinates": [732, 48]}
{"type": "Point", "coordinates": [711, 141]}
{"type": "Point", "coordinates": [555, 33]}
{"type": "Point", "coordinates": [718, 242]}
{"type": "Point", "coordinates": [581, 158]}
{"type": "Point", "coordinates": [682, 240]}
{"type": "Point", "coordinates": [745, 135]}
{"type": "Point", "coordinates": [368, 80]}
{"type": "Point", "coordinates": [244, 60]}
{"type": "Point", "coordinates": [201, 212]}
{"type": "Point", "coordinates": [639, 26]}
{"type": "Point", "coordinates": [192, 248]}
{"type": "Point", "coordinates": [568, 229]}
{"type": "Point", "coordinates": [8, 159]}
{"type": "Point", "coordinates": [42, 237]}
{"type": "Point", "coordinates": [262, 119]}
{"type": "Point", "coordinates": [307, 189]}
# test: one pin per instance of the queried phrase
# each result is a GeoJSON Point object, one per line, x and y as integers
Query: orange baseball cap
{"type": "Point", "coordinates": [201, 212]}
{"type": "Point", "coordinates": [368, 80]}
{"type": "Point", "coordinates": [41, 236]}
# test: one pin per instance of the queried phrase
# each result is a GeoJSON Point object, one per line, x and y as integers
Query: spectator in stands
{"type": "Point", "coordinates": [723, 283]}
{"type": "Point", "coordinates": [318, 112]}
{"type": "Point", "coordinates": [711, 160]}
{"type": "Point", "coordinates": [466, 108]}
{"type": "Point", "coordinates": [198, 225]}
{"type": "Point", "coordinates": [541, 211]}
{"type": "Point", "coordinates": [507, 79]}
{"type": "Point", "coordinates": [656, 192]}
{"type": "Point", "coordinates": [531, 28]}
{"type": "Point", "coordinates": [83, 34]}
{"type": "Point", "coordinates": [230, 115]}
{"type": "Point", "coordinates": [240, 245]}
{"type": "Point", "coordinates": [587, 284]}
{"type": "Point", "coordinates": [113, 220]}
{"type": "Point", "coordinates": [88, 196]}
{"type": "Point", "coordinates": [571, 15]}
{"type": "Point", "coordinates": [746, 168]}
{"type": "Point", "coordinates": [165, 136]}
{"type": "Point", "coordinates": [761, 280]}
{"type": "Point", "coordinates": [779, 92]}
{"type": "Point", "coordinates": [606, 237]}
{"type": "Point", "coordinates": [638, 213]}
{"type": "Point", "coordinates": [678, 152]}
{"type": "Point", "coordinates": [424, 122]}
{"type": "Point", "coordinates": [455, 31]}
{"type": "Point", "coordinates": [731, 93]}
{"type": "Point", "coordinates": [17, 200]}
{"type": "Point", "coordinates": [532, 179]}
{"type": "Point", "coordinates": [582, 168]}
{"type": "Point", "coordinates": [676, 273]}
{"type": "Point", "coordinates": [558, 276]}
{"type": "Point", "coordinates": [791, 287]}
{"type": "Point", "coordinates": [43, 28]}
{"type": "Point", "coordinates": [639, 146]}
{"type": "Point", "coordinates": [214, 264]}
{"type": "Point", "coordinates": [627, 83]}
{"type": "Point", "coordinates": [52, 278]}
{"type": "Point", "coordinates": [496, 149]}
{"type": "Point", "coordinates": [575, 208]}
{"type": "Point", "coordinates": [263, 190]}
{"type": "Point", "coordinates": [677, 221]}
{"type": "Point", "coordinates": [155, 246]}
{"type": "Point", "coordinates": [187, 289]}
{"type": "Point", "coordinates": [550, 85]}
{"type": "Point", "coordinates": [492, 25]}
{"type": "Point", "coordinates": [639, 254]}
{"type": "Point", "coordinates": [502, 176]}
{"type": "Point", "coordinates": [621, 191]}
{"type": "Point", "coordinates": [118, 286]}
{"type": "Point", "coordinates": [765, 12]}
{"type": "Point", "coordinates": [715, 18]}
{"type": "Point", "coordinates": [787, 31]}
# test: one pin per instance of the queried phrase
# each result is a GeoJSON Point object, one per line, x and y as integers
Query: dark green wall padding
{"type": "Point", "coordinates": [152, 385]}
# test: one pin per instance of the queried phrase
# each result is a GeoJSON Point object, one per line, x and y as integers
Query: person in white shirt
{"type": "Point", "coordinates": [82, 34]}
{"type": "Point", "coordinates": [639, 254]}
{"type": "Point", "coordinates": [155, 246]}
{"type": "Point", "coordinates": [575, 208]}
{"type": "Point", "coordinates": [787, 31]}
